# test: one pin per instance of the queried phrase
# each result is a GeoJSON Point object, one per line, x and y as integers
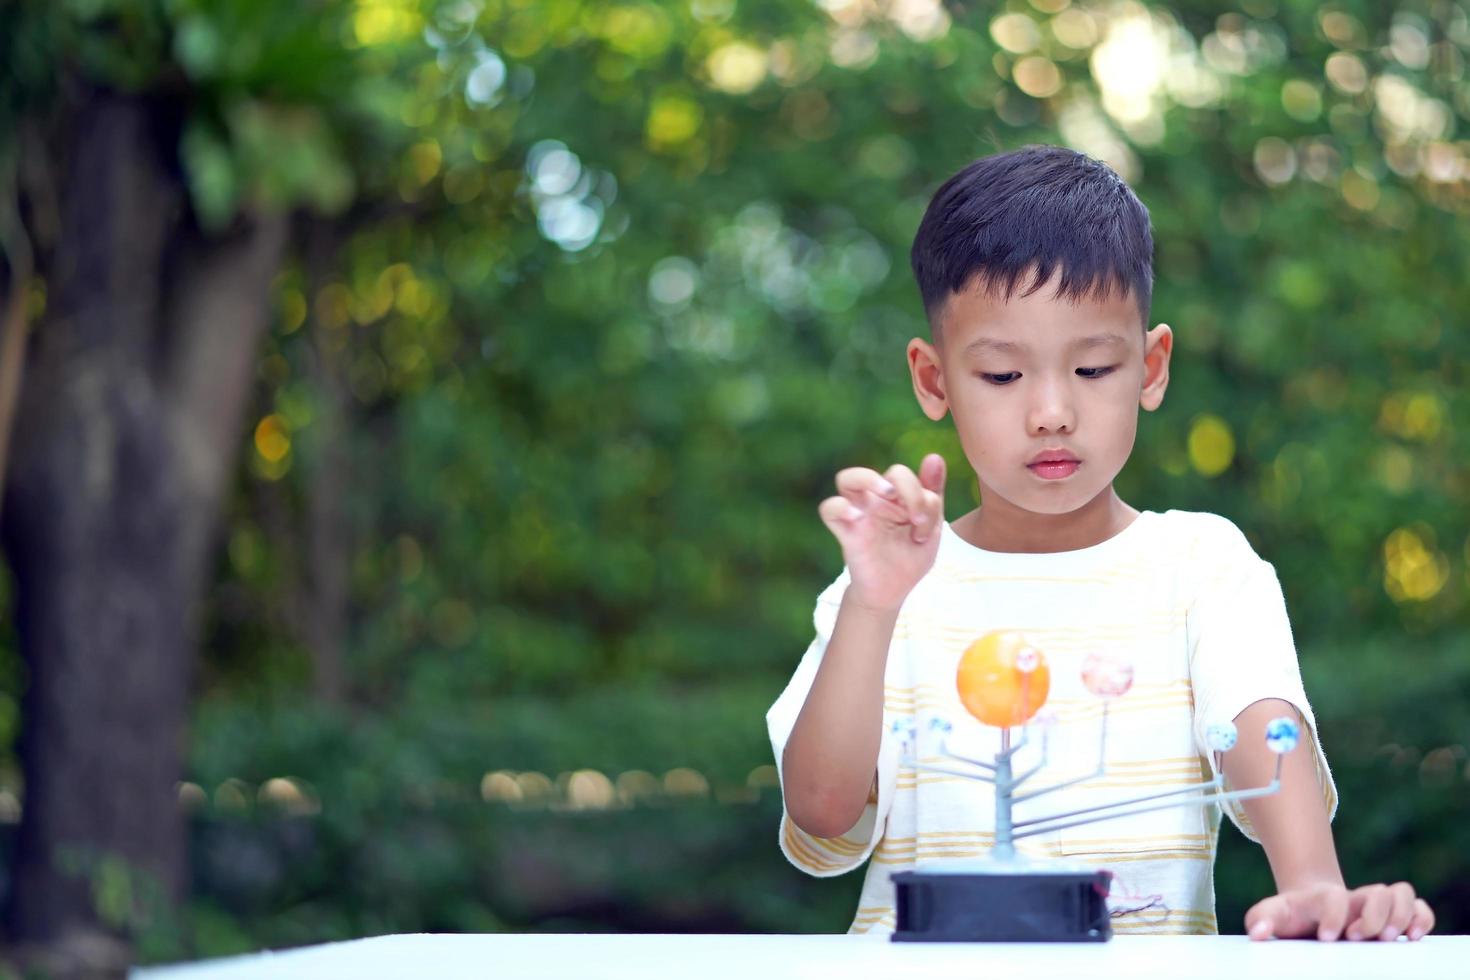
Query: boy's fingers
{"type": "Point", "coordinates": [931, 473]}
{"type": "Point", "coordinates": [1261, 919]}
{"type": "Point", "coordinates": [1401, 912]}
{"type": "Point", "coordinates": [1377, 906]}
{"type": "Point", "coordinates": [1332, 914]}
{"type": "Point", "coordinates": [910, 493]}
{"type": "Point", "coordinates": [871, 503]}
{"type": "Point", "coordinates": [838, 513]}
{"type": "Point", "coordinates": [1423, 920]}
{"type": "Point", "coordinates": [870, 491]}
{"type": "Point", "coordinates": [931, 511]}
{"type": "Point", "coordinates": [896, 495]}
{"type": "Point", "coordinates": [934, 507]}
{"type": "Point", "coordinates": [860, 479]}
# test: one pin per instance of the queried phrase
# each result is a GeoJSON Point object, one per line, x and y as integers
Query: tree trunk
{"type": "Point", "coordinates": [128, 425]}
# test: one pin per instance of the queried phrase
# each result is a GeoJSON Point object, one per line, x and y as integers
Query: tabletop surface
{"type": "Point", "coordinates": [839, 957]}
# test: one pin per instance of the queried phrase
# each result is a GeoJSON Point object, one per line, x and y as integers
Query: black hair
{"type": "Point", "coordinates": [1038, 208]}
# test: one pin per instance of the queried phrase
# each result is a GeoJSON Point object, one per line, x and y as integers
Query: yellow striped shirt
{"type": "Point", "coordinates": [1180, 595]}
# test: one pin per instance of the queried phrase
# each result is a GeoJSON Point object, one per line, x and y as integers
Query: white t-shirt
{"type": "Point", "coordinates": [1180, 595]}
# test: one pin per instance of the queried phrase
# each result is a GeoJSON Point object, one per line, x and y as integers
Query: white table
{"type": "Point", "coordinates": [495, 957]}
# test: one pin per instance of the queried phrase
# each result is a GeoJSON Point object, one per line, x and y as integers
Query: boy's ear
{"type": "Point", "coordinates": [1158, 344]}
{"type": "Point", "coordinates": [928, 378]}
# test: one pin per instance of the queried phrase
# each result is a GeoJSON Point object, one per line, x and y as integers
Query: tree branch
{"type": "Point", "coordinates": [217, 311]}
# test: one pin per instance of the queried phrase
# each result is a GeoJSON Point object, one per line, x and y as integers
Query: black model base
{"type": "Point", "coordinates": [1031, 907]}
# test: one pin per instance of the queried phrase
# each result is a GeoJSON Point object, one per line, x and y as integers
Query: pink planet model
{"type": "Point", "coordinates": [1107, 677]}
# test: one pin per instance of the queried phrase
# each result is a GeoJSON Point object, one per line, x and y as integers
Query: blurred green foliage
{"type": "Point", "coordinates": [622, 285]}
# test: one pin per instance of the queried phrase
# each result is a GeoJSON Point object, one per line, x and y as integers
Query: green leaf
{"type": "Point", "coordinates": [214, 186]}
{"type": "Point", "coordinates": [197, 46]}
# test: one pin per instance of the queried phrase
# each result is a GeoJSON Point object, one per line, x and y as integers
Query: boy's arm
{"type": "Point", "coordinates": [888, 526]}
{"type": "Point", "coordinates": [1293, 828]}
{"type": "Point", "coordinates": [1292, 823]}
{"type": "Point", "coordinates": [832, 755]}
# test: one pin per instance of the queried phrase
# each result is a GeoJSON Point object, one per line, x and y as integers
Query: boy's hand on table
{"type": "Point", "coordinates": [888, 526]}
{"type": "Point", "coordinates": [1330, 912]}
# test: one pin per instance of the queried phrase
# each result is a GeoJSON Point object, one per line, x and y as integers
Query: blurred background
{"type": "Point", "coordinates": [414, 415]}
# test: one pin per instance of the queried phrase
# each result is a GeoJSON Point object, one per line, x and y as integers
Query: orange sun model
{"type": "Point", "coordinates": [1003, 679]}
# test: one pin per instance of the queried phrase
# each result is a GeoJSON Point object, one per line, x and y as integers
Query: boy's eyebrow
{"type": "Point", "coordinates": [1097, 340]}
{"type": "Point", "coordinates": [983, 344]}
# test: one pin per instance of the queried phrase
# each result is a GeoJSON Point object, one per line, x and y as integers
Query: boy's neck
{"type": "Point", "coordinates": [999, 525]}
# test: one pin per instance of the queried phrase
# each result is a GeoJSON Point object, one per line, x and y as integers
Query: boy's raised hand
{"type": "Point", "coordinates": [888, 526]}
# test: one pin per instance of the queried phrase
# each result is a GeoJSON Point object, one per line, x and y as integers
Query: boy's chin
{"type": "Point", "coordinates": [1053, 508]}
{"type": "Point", "coordinates": [1051, 502]}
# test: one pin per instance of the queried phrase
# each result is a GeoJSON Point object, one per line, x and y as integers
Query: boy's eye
{"type": "Point", "coordinates": [1086, 372]}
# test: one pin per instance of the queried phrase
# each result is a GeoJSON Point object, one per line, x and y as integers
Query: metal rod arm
{"type": "Point", "coordinates": [1008, 750]}
{"type": "Point", "coordinates": [1052, 789]}
{"type": "Point", "coordinates": [1102, 758]}
{"type": "Point", "coordinates": [1243, 794]}
{"type": "Point", "coordinates": [1213, 784]}
{"type": "Point", "coordinates": [1045, 743]}
{"type": "Point", "coordinates": [944, 750]}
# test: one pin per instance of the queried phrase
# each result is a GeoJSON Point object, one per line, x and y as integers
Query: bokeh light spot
{"type": "Point", "coordinates": [1211, 445]}
{"type": "Point", "coordinates": [272, 439]}
{"type": "Point", "coordinates": [736, 68]}
{"type": "Point", "coordinates": [1413, 571]}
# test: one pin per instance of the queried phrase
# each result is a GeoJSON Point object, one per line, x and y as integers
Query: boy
{"type": "Point", "coordinates": [1035, 269]}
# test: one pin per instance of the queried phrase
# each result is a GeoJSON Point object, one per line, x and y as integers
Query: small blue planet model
{"type": "Point", "coordinates": [1281, 735]}
{"type": "Point", "coordinates": [1221, 736]}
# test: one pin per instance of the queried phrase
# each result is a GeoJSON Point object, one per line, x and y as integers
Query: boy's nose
{"type": "Point", "coordinates": [1052, 411]}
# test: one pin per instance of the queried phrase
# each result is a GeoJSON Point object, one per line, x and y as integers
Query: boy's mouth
{"type": "Point", "coordinates": [1054, 464]}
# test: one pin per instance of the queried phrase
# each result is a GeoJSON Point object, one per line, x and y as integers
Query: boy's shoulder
{"type": "Point", "coordinates": [1206, 536]}
{"type": "Point", "coordinates": [1202, 527]}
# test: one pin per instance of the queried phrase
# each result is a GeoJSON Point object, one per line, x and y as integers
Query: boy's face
{"type": "Point", "coordinates": [1037, 374]}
